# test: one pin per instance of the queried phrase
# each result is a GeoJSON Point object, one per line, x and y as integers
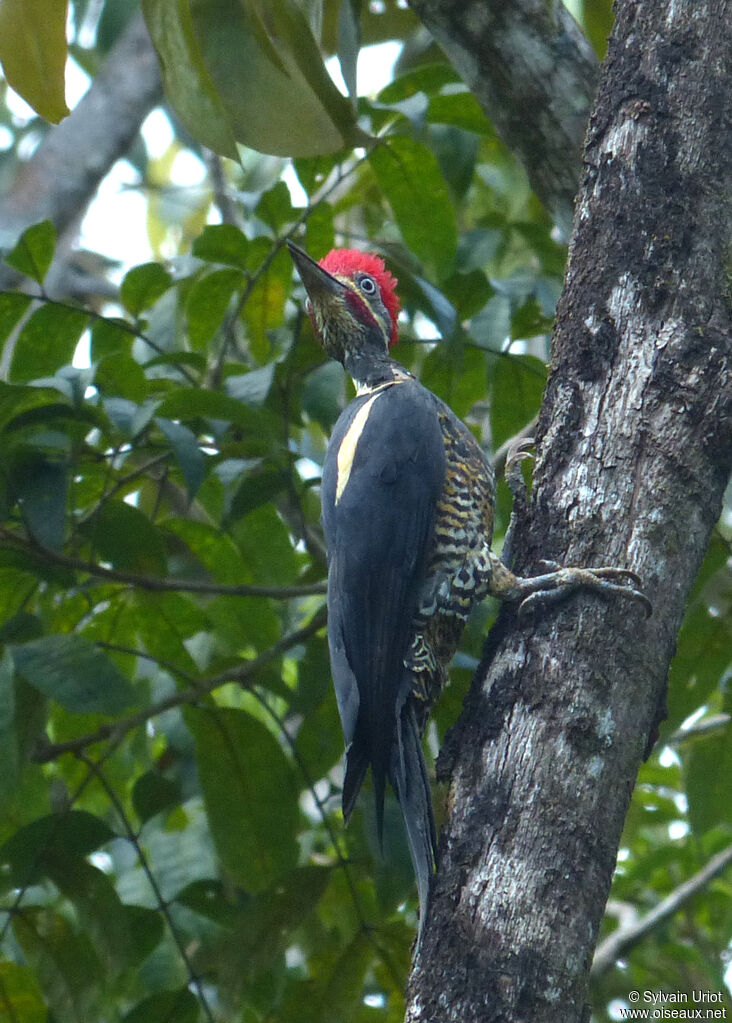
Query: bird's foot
{"type": "Point", "coordinates": [552, 586]}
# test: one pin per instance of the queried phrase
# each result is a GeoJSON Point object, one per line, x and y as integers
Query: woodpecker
{"type": "Point", "coordinates": [408, 498]}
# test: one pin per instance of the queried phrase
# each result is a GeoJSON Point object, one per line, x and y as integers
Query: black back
{"type": "Point", "coordinates": [379, 536]}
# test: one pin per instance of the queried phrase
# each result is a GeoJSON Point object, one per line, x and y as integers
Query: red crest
{"type": "Point", "coordinates": [348, 262]}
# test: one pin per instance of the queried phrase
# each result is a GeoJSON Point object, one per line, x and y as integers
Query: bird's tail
{"type": "Point", "coordinates": [408, 776]}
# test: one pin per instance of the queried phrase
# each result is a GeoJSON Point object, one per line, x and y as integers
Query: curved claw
{"type": "Point", "coordinates": [560, 583]}
{"type": "Point", "coordinates": [618, 573]}
{"type": "Point", "coordinates": [516, 453]}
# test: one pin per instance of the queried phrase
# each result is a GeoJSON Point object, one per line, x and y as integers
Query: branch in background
{"type": "Point", "coordinates": [159, 584]}
{"type": "Point", "coordinates": [625, 937]}
{"type": "Point", "coordinates": [714, 723]}
{"type": "Point", "coordinates": [243, 674]}
{"type": "Point", "coordinates": [222, 198]}
{"type": "Point", "coordinates": [184, 950]}
{"type": "Point", "coordinates": [60, 179]}
{"type": "Point", "coordinates": [534, 74]}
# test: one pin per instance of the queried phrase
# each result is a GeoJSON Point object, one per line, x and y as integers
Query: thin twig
{"type": "Point", "coordinates": [711, 724]}
{"type": "Point", "coordinates": [158, 584]}
{"type": "Point", "coordinates": [123, 325]}
{"type": "Point", "coordinates": [343, 862]}
{"type": "Point", "coordinates": [14, 908]}
{"type": "Point", "coordinates": [624, 938]}
{"type": "Point", "coordinates": [162, 905]}
{"type": "Point", "coordinates": [116, 730]}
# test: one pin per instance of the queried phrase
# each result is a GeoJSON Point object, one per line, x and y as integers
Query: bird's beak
{"type": "Point", "coordinates": [318, 282]}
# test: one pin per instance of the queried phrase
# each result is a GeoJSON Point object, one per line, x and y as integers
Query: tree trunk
{"type": "Point", "coordinates": [633, 456]}
{"type": "Point", "coordinates": [534, 74]}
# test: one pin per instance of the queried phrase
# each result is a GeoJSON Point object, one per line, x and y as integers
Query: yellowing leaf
{"type": "Point", "coordinates": [33, 53]}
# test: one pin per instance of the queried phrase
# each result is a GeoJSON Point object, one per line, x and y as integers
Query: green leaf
{"type": "Point", "coordinates": [193, 403]}
{"type": "Point", "coordinates": [412, 182]}
{"type": "Point", "coordinates": [188, 85]}
{"type": "Point", "coordinates": [253, 387]}
{"type": "Point", "coordinates": [72, 833]}
{"type": "Point", "coordinates": [76, 674]}
{"type": "Point", "coordinates": [207, 303]}
{"type": "Point", "coordinates": [20, 991]}
{"type": "Point", "coordinates": [265, 305]}
{"type": "Point", "coordinates": [121, 375]}
{"type": "Point", "coordinates": [269, 920]}
{"type": "Point", "coordinates": [468, 293]}
{"type": "Point", "coordinates": [47, 341]}
{"type": "Point", "coordinates": [142, 287]}
{"type": "Point", "coordinates": [275, 206]}
{"type": "Point", "coordinates": [702, 656]}
{"type": "Point", "coordinates": [518, 385]}
{"type": "Point", "coordinates": [124, 536]}
{"type": "Point", "coordinates": [427, 78]}
{"type": "Point", "coordinates": [210, 899]}
{"type": "Point", "coordinates": [457, 374]}
{"type": "Point", "coordinates": [180, 1006]}
{"type": "Point", "coordinates": [188, 454]}
{"type": "Point", "coordinates": [491, 328]}
{"type": "Point", "coordinates": [129, 417]}
{"type": "Point", "coordinates": [153, 793]}
{"type": "Point", "coordinates": [212, 548]}
{"type": "Point", "coordinates": [33, 53]}
{"type": "Point", "coordinates": [65, 962]}
{"type": "Point", "coordinates": [250, 795]}
{"type": "Point", "coordinates": [313, 171]}
{"type": "Point", "coordinates": [322, 394]}
{"type": "Point", "coordinates": [529, 320]}
{"type": "Point", "coordinates": [320, 739]}
{"type": "Point", "coordinates": [41, 489]}
{"type": "Point", "coordinates": [460, 109]}
{"type": "Point", "coordinates": [349, 43]}
{"type": "Point", "coordinates": [12, 307]}
{"type": "Point", "coordinates": [222, 243]}
{"type": "Point", "coordinates": [34, 249]}
{"type": "Point", "coordinates": [109, 338]}
{"type": "Point", "coordinates": [146, 928]}
{"type": "Point", "coordinates": [707, 762]}
{"type": "Point", "coordinates": [319, 229]}
{"type": "Point", "coordinates": [97, 903]}
{"type": "Point", "coordinates": [8, 738]}
{"type": "Point", "coordinates": [266, 547]}
{"type": "Point", "coordinates": [271, 79]}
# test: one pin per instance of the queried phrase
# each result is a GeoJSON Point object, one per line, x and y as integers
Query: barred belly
{"type": "Point", "coordinates": [460, 563]}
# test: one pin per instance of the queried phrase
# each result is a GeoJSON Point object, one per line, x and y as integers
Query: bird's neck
{"type": "Point", "coordinates": [369, 369]}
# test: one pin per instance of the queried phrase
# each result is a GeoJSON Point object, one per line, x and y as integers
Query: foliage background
{"type": "Point", "coordinates": [170, 840]}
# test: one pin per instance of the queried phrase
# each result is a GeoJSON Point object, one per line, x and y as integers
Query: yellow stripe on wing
{"type": "Point", "coordinates": [347, 450]}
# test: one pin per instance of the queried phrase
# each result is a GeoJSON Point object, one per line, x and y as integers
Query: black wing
{"type": "Point", "coordinates": [379, 528]}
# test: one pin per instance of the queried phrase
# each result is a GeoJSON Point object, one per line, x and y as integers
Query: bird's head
{"type": "Point", "coordinates": [352, 302]}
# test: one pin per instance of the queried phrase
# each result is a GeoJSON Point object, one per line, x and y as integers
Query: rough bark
{"type": "Point", "coordinates": [61, 177]}
{"type": "Point", "coordinates": [633, 456]}
{"type": "Point", "coordinates": [534, 74]}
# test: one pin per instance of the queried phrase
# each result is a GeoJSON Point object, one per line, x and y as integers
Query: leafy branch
{"type": "Point", "coordinates": [625, 937]}
{"type": "Point", "coordinates": [194, 980]}
{"type": "Point", "coordinates": [47, 751]}
{"type": "Point", "coordinates": [157, 584]}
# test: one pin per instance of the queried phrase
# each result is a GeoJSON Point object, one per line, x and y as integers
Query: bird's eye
{"type": "Point", "coordinates": [367, 285]}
